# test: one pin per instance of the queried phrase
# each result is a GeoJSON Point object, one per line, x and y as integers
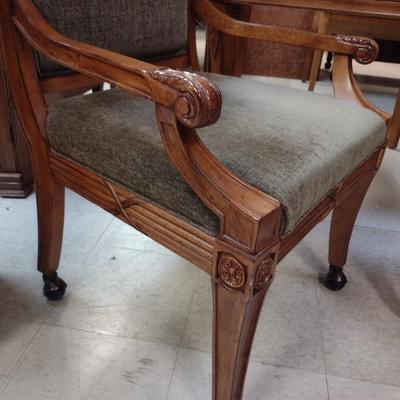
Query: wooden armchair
{"type": "Point", "coordinates": [230, 175]}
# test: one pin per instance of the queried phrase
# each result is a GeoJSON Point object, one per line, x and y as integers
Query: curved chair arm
{"type": "Point", "coordinates": [250, 219]}
{"type": "Point", "coordinates": [195, 100]}
{"type": "Point", "coordinates": [346, 87]}
{"type": "Point", "coordinates": [362, 49]}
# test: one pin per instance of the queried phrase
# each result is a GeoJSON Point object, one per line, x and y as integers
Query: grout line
{"type": "Point", "coordinates": [183, 335]}
{"type": "Point", "coordinates": [14, 367]}
{"type": "Point", "coordinates": [109, 335]}
{"type": "Point", "coordinates": [363, 226]}
{"type": "Point", "coordinates": [264, 363]}
{"type": "Point", "coordinates": [286, 367]}
{"type": "Point", "coordinates": [316, 288]}
{"type": "Point", "coordinates": [160, 252]}
{"type": "Point", "coordinates": [178, 350]}
{"type": "Point", "coordinates": [377, 228]}
{"type": "Point", "coordinates": [365, 381]}
{"type": "Point", "coordinates": [104, 231]}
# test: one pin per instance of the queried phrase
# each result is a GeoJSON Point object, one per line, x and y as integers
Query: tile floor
{"type": "Point", "coordinates": [136, 320]}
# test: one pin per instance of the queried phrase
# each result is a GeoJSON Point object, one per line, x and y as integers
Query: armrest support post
{"type": "Point", "coordinates": [346, 87]}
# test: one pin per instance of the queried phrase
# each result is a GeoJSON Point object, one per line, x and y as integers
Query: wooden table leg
{"type": "Point", "coordinates": [15, 164]}
{"type": "Point", "coordinates": [226, 54]}
{"type": "Point", "coordinates": [322, 27]}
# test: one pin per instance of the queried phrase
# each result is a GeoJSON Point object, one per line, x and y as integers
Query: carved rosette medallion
{"type": "Point", "coordinates": [367, 49]}
{"type": "Point", "coordinates": [264, 275]}
{"type": "Point", "coordinates": [231, 272]}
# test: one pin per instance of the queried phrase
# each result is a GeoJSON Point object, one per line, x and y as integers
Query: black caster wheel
{"type": "Point", "coordinates": [335, 278]}
{"type": "Point", "coordinates": [54, 287]}
{"type": "Point", "coordinates": [328, 63]}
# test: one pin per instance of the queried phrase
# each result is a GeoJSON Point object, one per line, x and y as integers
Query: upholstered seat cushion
{"type": "Point", "coordinates": [291, 144]}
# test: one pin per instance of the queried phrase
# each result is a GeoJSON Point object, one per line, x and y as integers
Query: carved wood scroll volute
{"type": "Point", "coordinates": [198, 101]}
{"type": "Point", "coordinates": [367, 49]}
{"type": "Point", "coordinates": [231, 272]}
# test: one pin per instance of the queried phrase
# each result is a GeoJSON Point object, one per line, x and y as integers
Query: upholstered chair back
{"type": "Point", "coordinates": [145, 29]}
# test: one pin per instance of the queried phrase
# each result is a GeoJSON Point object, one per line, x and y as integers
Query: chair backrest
{"type": "Point", "coordinates": [145, 29]}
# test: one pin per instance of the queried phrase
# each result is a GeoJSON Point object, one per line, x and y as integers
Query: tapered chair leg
{"type": "Point", "coordinates": [342, 224]}
{"type": "Point", "coordinates": [238, 295]}
{"type": "Point", "coordinates": [50, 211]}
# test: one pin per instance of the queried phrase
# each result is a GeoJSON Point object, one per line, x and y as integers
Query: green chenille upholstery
{"type": "Point", "coordinates": [146, 29]}
{"type": "Point", "coordinates": [292, 144]}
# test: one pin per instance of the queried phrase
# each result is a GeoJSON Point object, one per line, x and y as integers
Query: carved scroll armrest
{"type": "Point", "coordinates": [364, 50]}
{"type": "Point", "coordinates": [195, 100]}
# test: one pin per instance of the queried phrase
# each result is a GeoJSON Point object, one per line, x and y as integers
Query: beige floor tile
{"type": "Point", "coordinates": [309, 259]}
{"type": "Point", "coordinates": [75, 202]}
{"type": "Point", "coordinates": [86, 223]}
{"type": "Point", "coordinates": [15, 337]}
{"type": "Point", "coordinates": [71, 365]}
{"type": "Point", "coordinates": [7, 208]}
{"type": "Point", "coordinates": [374, 251]}
{"type": "Point", "coordinates": [22, 220]}
{"type": "Point", "coordinates": [349, 389]}
{"type": "Point", "coordinates": [192, 381]}
{"type": "Point", "coordinates": [198, 330]}
{"type": "Point", "coordinates": [361, 326]}
{"type": "Point", "coordinates": [21, 284]}
{"type": "Point", "coordinates": [266, 382]}
{"type": "Point", "coordinates": [117, 291]}
{"type": "Point", "coordinates": [150, 294]}
{"type": "Point", "coordinates": [16, 249]}
{"type": "Point", "coordinates": [288, 332]}
{"type": "Point", "coordinates": [121, 235]}
{"type": "Point", "coordinates": [191, 377]}
{"type": "Point", "coordinates": [381, 208]}
{"type": "Point", "coordinates": [385, 101]}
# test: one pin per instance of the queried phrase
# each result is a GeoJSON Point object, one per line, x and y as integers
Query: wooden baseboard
{"type": "Point", "coordinates": [13, 185]}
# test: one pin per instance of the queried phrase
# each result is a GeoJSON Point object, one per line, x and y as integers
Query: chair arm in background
{"type": "Point", "coordinates": [362, 49]}
{"type": "Point", "coordinates": [345, 48]}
